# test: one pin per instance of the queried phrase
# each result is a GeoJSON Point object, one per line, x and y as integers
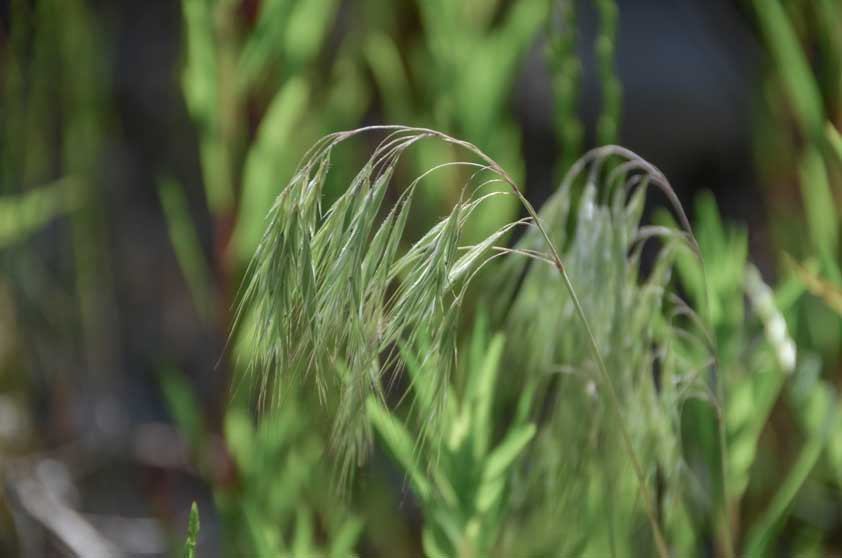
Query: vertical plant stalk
{"type": "Point", "coordinates": [728, 542]}
{"type": "Point", "coordinates": [229, 102]}
{"type": "Point", "coordinates": [608, 125]}
{"type": "Point", "coordinates": [82, 94]}
{"type": "Point", "coordinates": [566, 80]}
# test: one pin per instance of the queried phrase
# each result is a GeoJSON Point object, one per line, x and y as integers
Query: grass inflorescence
{"type": "Point", "coordinates": [331, 296]}
{"type": "Point", "coordinates": [333, 301]}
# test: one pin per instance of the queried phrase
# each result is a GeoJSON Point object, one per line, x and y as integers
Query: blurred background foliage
{"type": "Point", "coordinates": [142, 144]}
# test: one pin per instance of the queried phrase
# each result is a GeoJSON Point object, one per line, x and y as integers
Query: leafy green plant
{"type": "Point", "coordinates": [461, 479]}
{"type": "Point", "coordinates": [760, 368]}
{"type": "Point", "coordinates": [331, 302]}
{"type": "Point", "coordinates": [602, 393]}
{"type": "Point", "coordinates": [284, 508]}
{"type": "Point", "coordinates": [279, 506]}
{"type": "Point", "coordinates": [621, 418]}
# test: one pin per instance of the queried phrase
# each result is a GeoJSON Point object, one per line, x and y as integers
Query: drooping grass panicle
{"type": "Point", "coordinates": [330, 295]}
{"type": "Point", "coordinates": [332, 298]}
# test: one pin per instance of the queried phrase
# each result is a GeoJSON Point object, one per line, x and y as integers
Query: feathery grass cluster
{"type": "Point", "coordinates": [333, 302]}
{"type": "Point", "coordinates": [332, 298]}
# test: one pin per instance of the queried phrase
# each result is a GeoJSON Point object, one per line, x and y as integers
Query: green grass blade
{"type": "Point", "coordinates": [188, 249]}
{"type": "Point", "coordinates": [25, 213]}
{"type": "Point", "coordinates": [346, 538]}
{"type": "Point", "coordinates": [400, 443]}
{"type": "Point", "coordinates": [834, 138]}
{"type": "Point", "coordinates": [309, 22]}
{"type": "Point", "coordinates": [481, 394]}
{"type": "Point", "coordinates": [261, 45]}
{"type": "Point", "coordinates": [183, 405]}
{"type": "Point", "coordinates": [502, 457]}
{"type": "Point", "coordinates": [384, 58]}
{"type": "Point", "coordinates": [192, 533]}
{"type": "Point", "coordinates": [302, 541]}
{"type": "Point", "coordinates": [764, 531]}
{"type": "Point", "coordinates": [267, 159]}
{"type": "Point", "coordinates": [820, 207]}
{"type": "Point", "coordinates": [792, 65]}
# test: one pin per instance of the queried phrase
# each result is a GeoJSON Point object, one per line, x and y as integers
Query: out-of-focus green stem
{"type": "Point", "coordinates": [566, 81]}
{"type": "Point", "coordinates": [188, 249]}
{"type": "Point", "coordinates": [606, 42]}
{"type": "Point", "coordinates": [792, 64]}
{"type": "Point", "coordinates": [83, 104]}
{"type": "Point", "coordinates": [231, 125]}
{"type": "Point", "coordinates": [764, 529]}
